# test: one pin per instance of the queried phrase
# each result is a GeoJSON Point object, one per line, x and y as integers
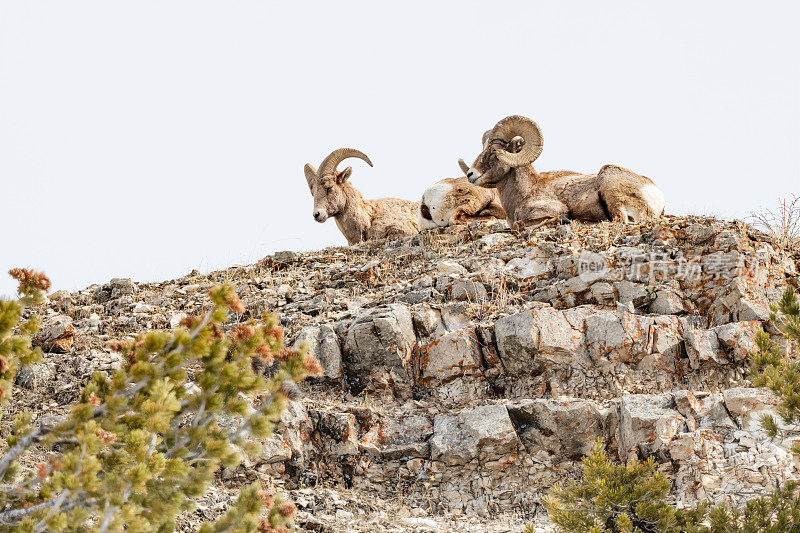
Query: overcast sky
{"type": "Point", "coordinates": [143, 138]}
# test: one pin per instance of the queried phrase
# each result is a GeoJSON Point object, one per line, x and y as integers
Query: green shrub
{"type": "Point", "coordinates": [778, 512]}
{"type": "Point", "coordinates": [619, 498]}
{"type": "Point", "coordinates": [780, 372]}
{"type": "Point", "coordinates": [142, 444]}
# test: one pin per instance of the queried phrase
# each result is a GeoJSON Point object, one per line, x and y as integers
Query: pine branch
{"type": "Point", "coordinates": [46, 426]}
{"type": "Point", "coordinates": [15, 516]}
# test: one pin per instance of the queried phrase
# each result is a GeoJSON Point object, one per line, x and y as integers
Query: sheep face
{"type": "Point", "coordinates": [514, 142]}
{"type": "Point", "coordinates": [328, 186]}
{"type": "Point", "coordinates": [328, 191]}
{"type": "Point", "coordinates": [488, 169]}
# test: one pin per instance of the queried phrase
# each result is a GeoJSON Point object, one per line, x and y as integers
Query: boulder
{"type": "Point", "coordinates": [713, 414]}
{"type": "Point", "coordinates": [378, 347]}
{"type": "Point", "coordinates": [428, 321]}
{"type": "Point", "coordinates": [647, 424]}
{"type": "Point", "coordinates": [667, 338]}
{"type": "Point", "coordinates": [667, 302]}
{"type": "Point", "coordinates": [36, 377]}
{"type": "Point", "coordinates": [454, 354]}
{"type": "Point", "coordinates": [405, 436]}
{"type": "Point", "coordinates": [527, 269]}
{"type": "Point", "coordinates": [143, 308]}
{"type": "Point", "coordinates": [419, 296]}
{"type": "Point", "coordinates": [274, 450]}
{"type": "Point", "coordinates": [335, 434]}
{"type": "Point", "coordinates": [560, 425]}
{"type": "Point", "coordinates": [323, 344]}
{"type": "Point", "coordinates": [484, 432]}
{"type": "Point", "coordinates": [176, 318]}
{"type": "Point", "coordinates": [618, 335]}
{"type": "Point", "coordinates": [56, 335]}
{"type": "Point", "coordinates": [686, 403]}
{"type": "Point", "coordinates": [116, 288]}
{"type": "Point", "coordinates": [295, 429]}
{"type": "Point", "coordinates": [630, 292]}
{"type": "Point", "coordinates": [702, 444]}
{"type": "Point", "coordinates": [702, 345]}
{"type": "Point", "coordinates": [738, 338]}
{"type": "Point", "coordinates": [603, 293]}
{"type": "Point", "coordinates": [284, 258]}
{"type": "Point", "coordinates": [495, 239]}
{"type": "Point", "coordinates": [469, 290]}
{"type": "Point", "coordinates": [748, 404]}
{"type": "Point", "coordinates": [736, 299]}
{"type": "Point", "coordinates": [455, 316]}
{"type": "Point", "coordinates": [448, 268]}
{"type": "Point", "coordinates": [544, 332]}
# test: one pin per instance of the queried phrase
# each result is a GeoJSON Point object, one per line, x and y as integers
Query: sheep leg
{"type": "Point", "coordinates": [543, 212]}
{"type": "Point", "coordinates": [620, 190]}
{"type": "Point", "coordinates": [464, 218]}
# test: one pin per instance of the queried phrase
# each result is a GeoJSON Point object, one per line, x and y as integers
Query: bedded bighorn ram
{"type": "Point", "coordinates": [531, 199]}
{"type": "Point", "coordinates": [456, 201]}
{"type": "Point", "coordinates": [358, 219]}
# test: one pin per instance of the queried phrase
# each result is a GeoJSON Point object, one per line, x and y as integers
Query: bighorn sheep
{"type": "Point", "coordinates": [456, 201]}
{"type": "Point", "coordinates": [533, 199]}
{"type": "Point", "coordinates": [358, 219]}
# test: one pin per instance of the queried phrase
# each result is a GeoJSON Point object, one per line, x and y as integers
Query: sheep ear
{"type": "Point", "coordinates": [459, 217]}
{"type": "Point", "coordinates": [311, 173]}
{"type": "Point", "coordinates": [342, 176]}
{"type": "Point", "coordinates": [491, 209]}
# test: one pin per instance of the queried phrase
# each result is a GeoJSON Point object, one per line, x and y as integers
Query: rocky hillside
{"type": "Point", "coordinates": [468, 370]}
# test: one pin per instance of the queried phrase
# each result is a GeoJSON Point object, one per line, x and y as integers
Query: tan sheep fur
{"type": "Point", "coordinates": [456, 201]}
{"type": "Point", "coordinates": [358, 219]}
{"type": "Point", "coordinates": [531, 199]}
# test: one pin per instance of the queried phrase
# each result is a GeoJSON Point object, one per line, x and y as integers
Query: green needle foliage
{"type": "Point", "coordinates": [618, 498]}
{"type": "Point", "coordinates": [779, 373]}
{"type": "Point", "coordinates": [142, 444]}
{"type": "Point", "coordinates": [15, 349]}
{"type": "Point", "coordinates": [777, 513]}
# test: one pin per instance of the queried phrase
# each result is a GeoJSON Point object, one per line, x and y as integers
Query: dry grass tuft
{"type": "Point", "coordinates": [500, 298]}
{"type": "Point", "coordinates": [782, 223]}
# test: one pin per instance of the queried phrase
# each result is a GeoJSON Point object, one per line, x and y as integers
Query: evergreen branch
{"type": "Point", "coordinates": [46, 425]}
{"type": "Point", "coordinates": [59, 501]}
{"type": "Point", "coordinates": [14, 516]}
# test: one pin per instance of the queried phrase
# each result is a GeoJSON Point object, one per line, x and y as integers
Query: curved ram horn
{"type": "Point", "coordinates": [519, 126]}
{"type": "Point", "coordinates": [485, 137]}
{"type": "Point", "coordinates": [329, 164]}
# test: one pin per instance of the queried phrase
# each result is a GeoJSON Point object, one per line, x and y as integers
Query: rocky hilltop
{"type": "Point", "coordinates": [469, 369]}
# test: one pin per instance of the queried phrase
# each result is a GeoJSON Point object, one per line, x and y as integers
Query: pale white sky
{"type": "Point", "coordinates": [146, 138]}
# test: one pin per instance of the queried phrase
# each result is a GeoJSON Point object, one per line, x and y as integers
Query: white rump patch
{"type": "Point", "coordinates": [435, 197]}
{"type": "Point", "coordinates": [654, 198]}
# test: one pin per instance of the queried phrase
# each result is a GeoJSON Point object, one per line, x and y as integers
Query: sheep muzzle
{"type": "Point", "coordinates": [320, 215]}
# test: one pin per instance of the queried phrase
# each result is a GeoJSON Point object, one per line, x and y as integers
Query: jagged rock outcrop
{"type": "Point", "coordinates": [470, 368]}
{"type": "Point", "coordinates": [377, 350]}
